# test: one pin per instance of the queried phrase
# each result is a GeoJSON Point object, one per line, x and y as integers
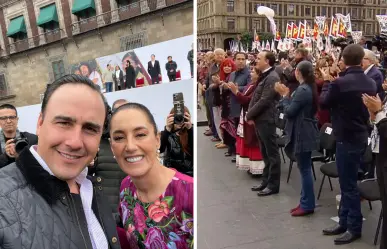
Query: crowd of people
{"type": "Point", "coordinates": [93, 175]}
{"type": "Point", "coordinates": [248, 96]}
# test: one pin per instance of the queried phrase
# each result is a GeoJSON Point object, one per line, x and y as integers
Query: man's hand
{"type": "Point", "coordinates": [374, 104]}
{"type": "Point", "coordinates": [10, 149]}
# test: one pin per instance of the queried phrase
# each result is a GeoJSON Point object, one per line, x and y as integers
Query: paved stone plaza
{"type": "Point", "coordinates": [230, 215]}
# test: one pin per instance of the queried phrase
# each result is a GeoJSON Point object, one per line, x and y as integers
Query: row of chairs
{"type": "Point", "coordinates": [369, 189]}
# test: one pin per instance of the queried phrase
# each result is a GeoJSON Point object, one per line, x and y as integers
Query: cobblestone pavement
{"type": "Point", "coordinates": [230, 215]}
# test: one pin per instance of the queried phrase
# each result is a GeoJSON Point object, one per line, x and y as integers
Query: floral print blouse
{"type": "Point", "coordinates": [166, 223]}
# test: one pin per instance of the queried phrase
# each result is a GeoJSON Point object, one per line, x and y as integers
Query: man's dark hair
{"type": "Point", "coordinates": [229, 53]}
{"type": "Point", "coordinates": [270, 57]}
{"type": "Point", "coordinates": [169, 57]}
{"type": "Point", "coordinates": [238, 53]}
{"type": "Point", "coordinates": [153, 55]}
{"type": "Point", "coordinates": [283, 55]}
{"type": "Point", "coordinates": [117, 102]}
{"type": "Point", "coordinates": [75, 80]}
{"type": "Point", "coordinates": [8, 106]}
{"type": "Point", "coordinates": [353, 55]}
{"type": "Point", "coordinates": [107, 65]}
{"type": "Point", "coordinates": [140, 107]}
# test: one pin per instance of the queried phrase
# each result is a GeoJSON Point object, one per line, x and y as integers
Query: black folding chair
{"type": "Point", "coordinates": [369, 190]}
{"type": "Point", "coordinates": [280, 124]}
{"type": "Point", "coordinates": [293, 160]}
{"type": "Point", "coordinates": [328, 144]}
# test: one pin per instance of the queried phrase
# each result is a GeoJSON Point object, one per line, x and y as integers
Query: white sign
{"type": "Point", "coordinates": [158, 99]}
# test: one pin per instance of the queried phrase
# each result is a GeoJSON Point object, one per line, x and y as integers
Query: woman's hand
{"type": "Point", "coordinates": [325, 74]}
{"type": "Point", "coordinates": [281, 89]}
{"type": "Point", "coordinates": [233, 87]}
{"type": "Point", "coordinates": [187, 121]}
{"type": "Point", "coordinates": [169, 122]}
{"type": "Point", "coordinates": [373, 104]}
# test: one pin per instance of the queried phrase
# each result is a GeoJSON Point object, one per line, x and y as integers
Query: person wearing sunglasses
{"type": "Point", "coordinates": [10, 136]}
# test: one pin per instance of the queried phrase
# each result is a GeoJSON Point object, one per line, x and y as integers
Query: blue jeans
{"type": "Point", "coordinates": [109, 87]}
{"type": "Point", "coordinates": [348, 159]}
{"type": "Point", "coordinates": [304, 162]}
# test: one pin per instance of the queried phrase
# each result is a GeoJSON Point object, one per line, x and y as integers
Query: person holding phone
{"type": "Point", "coordinates": [176, 143]}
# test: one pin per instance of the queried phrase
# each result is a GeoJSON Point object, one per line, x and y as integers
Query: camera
{"type": "Point", "coordinates": [20, 144]}
{"type": "Point", "coordinates": [178, 106]}
{"type": "Point", "coordinates": [380, 41]}
{"type": "Point", "coordinates": [342, 42]}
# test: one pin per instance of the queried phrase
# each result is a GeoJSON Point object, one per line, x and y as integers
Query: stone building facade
{"type": "Point", "coordinates": [27, 65]}
{"type": "Point", "coordinates": [219, 21]}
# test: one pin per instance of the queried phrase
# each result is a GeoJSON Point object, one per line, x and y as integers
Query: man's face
{"type": "Point", "coordinates": [8, 120]}
{"type": "Point", "coordinates": [152, 57]}
{"type": "Point", "coordinates": [297, 55]}
{"type": "Point", "coordinates": [341, 65]}
{"type": "Point", "coordinates": [240, 61]}
{"type": "Point", "coordinates": [362, 41]}
{"type": "Point", "coordinates": [169, 59]}
{"type": "Point", "coordinates": [85, 71]}
{"type": "Point", "coordinates": [366, 62]}
{"type": "Point", "coordinates": [219, 57]}
{"type": "Point", "coordinates": [261, 62]}
{"type": "Point", "coordinates": [71, 129]}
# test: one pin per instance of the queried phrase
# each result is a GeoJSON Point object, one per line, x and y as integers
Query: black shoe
{"type": "Point", "coordinates": [267, 192]}
{"type": "Point", "coordinates": [233, 160]}
{"type": "Point", "coordinates": [347, 238]}
{"type": "Point", "coordinates": [260, 187]}
{"type": "Point", "coordinates": [336, 230]}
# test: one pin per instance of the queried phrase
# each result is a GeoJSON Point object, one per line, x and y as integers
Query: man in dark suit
{"type": "Point", "coordinates": [154, 69]}
{"type": "Point", "coordinates": [171, 67]}
{"type": "Point", "coordinates": [350, 123]}
{"type": "Point", "coordinates": [261, 112]}
{"type": "Point", "coordinates": [372, 71]}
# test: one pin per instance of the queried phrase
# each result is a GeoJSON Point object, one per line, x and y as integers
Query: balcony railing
{"type": "Point", "coordinates": [126, 12]}
{"type": "Point", "coordinates": [36, 41]}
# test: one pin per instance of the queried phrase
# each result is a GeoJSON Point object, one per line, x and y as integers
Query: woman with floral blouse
{"type": "Point", "coordinates": [156, 203]}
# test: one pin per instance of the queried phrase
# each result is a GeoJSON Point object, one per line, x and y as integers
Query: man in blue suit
{"type": "Point", "coordinates": [372, 71]}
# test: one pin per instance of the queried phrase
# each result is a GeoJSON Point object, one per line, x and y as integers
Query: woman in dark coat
{"type": "Point", "coordinates": [301, 131]}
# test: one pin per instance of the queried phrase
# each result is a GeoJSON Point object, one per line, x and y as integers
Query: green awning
{"type": "Point", "coordinates": [47, 14]}
{"type": "Point", "coordinates": [81, 5]}
{"type": "Point", "coordinates": [17, 25]}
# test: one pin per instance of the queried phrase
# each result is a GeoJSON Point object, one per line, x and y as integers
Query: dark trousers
{"type": "Point", "coordinates": [209, 99]}
{"type": "Point", "coordinates": [304, 163]}
{"type": "Point", "coordinates": [381, 173]}
{"type": "Point", "coordinates": [130, 84]}
{"type": "Point", "coordinates": [172, 77]}
{"type": "Point", "coordinates": [348, 159]}
{"type": "Point", "coordinates": [155, 79]}
{"type": "Point", "coordinates": [267, 136]}
{"type": "Point", "coordinates": [109, 87]}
